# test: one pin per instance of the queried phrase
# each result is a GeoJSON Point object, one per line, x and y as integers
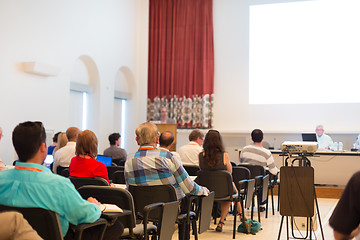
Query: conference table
{"type": "Point", "coordinates": [330, 168]}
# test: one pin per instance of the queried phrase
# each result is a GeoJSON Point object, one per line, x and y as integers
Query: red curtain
{"type": "Point", "coordinates": [181, 61]}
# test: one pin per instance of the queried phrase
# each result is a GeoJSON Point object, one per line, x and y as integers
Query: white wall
{"type": "Point", "coordinates": [112, 33]}
{"type": "Point", "coordinates": [232, 112]}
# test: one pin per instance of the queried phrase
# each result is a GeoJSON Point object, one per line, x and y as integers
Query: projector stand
{"type": "Point", "coordinates": [298, 195]}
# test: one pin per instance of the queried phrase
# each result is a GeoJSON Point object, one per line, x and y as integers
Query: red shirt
{"type": "Point", "coordinates": [87, 168]}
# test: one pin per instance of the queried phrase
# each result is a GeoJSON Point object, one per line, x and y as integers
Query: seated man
{"type": "Point", "coordinates": [166, 140]}
{"type": "Point", "coordinates": [30, 184]}
{"type": "Point", "coordinates": [189, 153]}
{"type": "Point", "coordinates": [118, 154]}
{"type": "Point", "coordinates": [164, 119]}
{"type": "Point", "coordinates": [64, 155]}
{"type": "Point", "coordinates": [345, 219]}
{"type": "Point", "coordinates": [256, 154]}
{"type": "Point", "coordinates": [161, 166]}
{"type": "Point", "coordinates": [324, 140]}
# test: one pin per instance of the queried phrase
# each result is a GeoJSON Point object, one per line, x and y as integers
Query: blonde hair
{"type": "Point", "coordinates": [86, 144]}
{"type": "Point", "coordinates": [61, 142]}
{"type": "Point", "coordinates": [146, 133]}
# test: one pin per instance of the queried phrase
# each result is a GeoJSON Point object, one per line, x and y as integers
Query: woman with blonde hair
{"type": "Point", "coordinates": [61, 142]}
{"type": "Point", "coordinates": [84, 163]}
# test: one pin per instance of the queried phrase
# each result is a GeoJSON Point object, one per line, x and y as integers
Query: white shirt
{"type": "Point", "coordinates": [189, 153]}
{"type": "Point", "coordinates": [324, 141]}
{"type": "Point", "coordinates": [64, 155]}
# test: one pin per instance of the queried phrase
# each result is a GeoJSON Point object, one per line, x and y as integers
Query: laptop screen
{"type": "Point", "coordinates": [104, 159]}
{"type": "Point", "coordinates": [309, 137]}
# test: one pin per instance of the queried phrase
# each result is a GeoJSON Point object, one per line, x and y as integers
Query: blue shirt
{"type": "Point", "coordinates": [34, 185]}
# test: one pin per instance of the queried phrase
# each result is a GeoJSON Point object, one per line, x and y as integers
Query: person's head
{"type": "Point", "coordinates": [257, 136]}
{"type": "Point", "coordinates": [213, 145]}
{"type": "Point", "coordinates": [147, 134]}
{"type": "Point", "coordinates": [163, 113]}
{"type": "Point", "coordinates": [319, 130]}
{"type": "Point", "coordinates": [114, 139]}
{"type": "Point", "coordinates": [55, 138]}
{"type": "Point", "coordinates": [72, 133]}
{"type": "Point", "coordinates": [166, 139]}
{"type": "Point", "coordinates": [29, 140]}
{"type": "Point", "coordinates": [86, 144]}
{"type": "Point", "coordinates": [196, 136]}
{"type": "Point", "coordinates": [62, 140]}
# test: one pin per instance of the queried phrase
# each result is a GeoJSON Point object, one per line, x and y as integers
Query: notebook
{"type": "Point", "coordinates": [104, 159]}
{"type": "Point", "coordinates": [309, 137]}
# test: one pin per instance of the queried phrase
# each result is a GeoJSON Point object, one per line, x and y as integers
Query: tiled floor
{"type": "Point", "coordinates": [271, 225]}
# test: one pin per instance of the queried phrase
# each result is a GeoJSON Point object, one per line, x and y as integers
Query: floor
{"type": "Point", "coordinates": [271, 225]}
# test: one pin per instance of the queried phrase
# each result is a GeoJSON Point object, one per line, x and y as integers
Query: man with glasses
{"type": "Point", "coordinates": [324, 140]}
{"type": "Point", "coordinates": [30, 184]}
{"type": "Point", "coordinates": [164, 116]}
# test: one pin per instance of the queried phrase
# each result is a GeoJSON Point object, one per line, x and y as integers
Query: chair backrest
{"type": "Point", "coordinates": [191, 170]}
{"type": "Point", "coordinates": [119, 161]}
{"type": "Point", "coordinates": [145, 195]}
{"type": "Point", "coordinates": [255, 170]}
{"type": "Point", "coordinates": [240, 173]}
{"type": "Point", "coordinates": [79, 182]}
{"type": "Point", "coordinates": [65, 173]}
{"type": "Point", "coordinates": [166, 226]}
{"type": "Point", "coordinates": [45, 222]}
{"type": "Point", "coordinates": [59, 169]}
{"type": "Point", "coordinates": [206, 206]}
{"type": "Point", "coordinates": [112, 169]}
{"type": "Point", "coordinates": [118, 177]}
{"type": "Point", "coordinates": [218, 181]}
{"type": "Point", "coordinates": [265, 187]}
{"type": "Point", "coordinates": [112, 195]}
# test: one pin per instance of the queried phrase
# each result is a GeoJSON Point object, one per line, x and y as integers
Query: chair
{"type": "Point", "coordinates": [273, 180]}
{"type": "Point", "coordinates": [191, 169]}
{"type": "Point", "coordinates": [118, 177]}
{"type": "Point", "coordinates": [221, 182]}
{"type": "Point", "coordinates": [65, 173]}
{"type": "Point", "coordinates": [123, 199]}
{"type": "Point", "coordinates": [119, 161]}
{"type": "Point", "coordinates": [145, 195]}
{"type": "Point", "coordinates": [79, 182]}
{"type": "Point", "coordinates": [47, 224]}
{"type": "Point", "coordinates": [59, 169]}
{"type": "Point", "coordinates": [112, 169]}
{"type": "Point", "coordinates": [239, 174]}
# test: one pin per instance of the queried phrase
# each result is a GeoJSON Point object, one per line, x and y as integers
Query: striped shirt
{"type": "Point", "coordinates": [257, 155]}
{"type": "Point", "coordinates": [151, 166]}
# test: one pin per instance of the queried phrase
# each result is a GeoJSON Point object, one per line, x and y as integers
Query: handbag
{"type": "Point", "coordinates": [251, 226]}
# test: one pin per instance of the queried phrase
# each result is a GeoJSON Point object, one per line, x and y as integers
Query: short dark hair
{"type": "Point", "coordinates": [27, 138]}
{"type": "Point", "coordinates": [257, 135]}
{"type": "Point", "coordinates": [195, 134]}
{"type": "Point", "coordinates": [113, 138]}
{"type": "Point", "coordinates": [56, 137]}
{"type": "Point", "coordinates": [166, 138]}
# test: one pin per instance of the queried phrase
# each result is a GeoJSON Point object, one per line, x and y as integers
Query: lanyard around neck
{"type": "Point", "coordinates": [28, 169]}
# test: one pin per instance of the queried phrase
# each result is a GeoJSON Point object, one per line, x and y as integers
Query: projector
{"type": "Point", "coordinates": [299, 147]}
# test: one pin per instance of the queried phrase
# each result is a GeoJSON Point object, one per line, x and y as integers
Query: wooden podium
{"type": "Point", "coordinates": [171, 128]}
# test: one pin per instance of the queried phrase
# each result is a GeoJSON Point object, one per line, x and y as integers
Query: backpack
{"type": "Point", "coordinates": [251, 226]}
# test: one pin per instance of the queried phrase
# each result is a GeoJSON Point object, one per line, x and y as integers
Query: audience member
{"type": "Point", "coordinates": [62, 141]}
{"type": "Point", "coordinates": [30, 184]}
{"type": "Point", "coordinates": [2, 165]}
{"type": "Point", "coordinates": [64, 155]}
{"type": "Point", "coordinates": [53, 145]}
{"type": "Point", "coordinates": [189, 153]}
{"type": "Point", "coordinates": [161, 166]}
{"type": "Point", "coordinates": [84, 164]}
{"type": "Point", "coordinates": [215, 158]}
{"type": "Point", "coordinates": [14, 226]}
{"type": "Point", "coordinates": [345, 219]}
{"type": "Point", "coordinates": [166, 140]}
{"type": "Point", "coordinates": [164, 118]}
{"type": "Point", "coordinates": [324, 140]}
{"type": "Point", "coordinates": [118, 154]}
{"type": "Point", "coordinates": [256, 154]}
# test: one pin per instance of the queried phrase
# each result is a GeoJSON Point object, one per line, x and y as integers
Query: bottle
{"type": "Point", "coordinates": [341, 146]}
{"type": "Point", "coordinates": [335, 146]}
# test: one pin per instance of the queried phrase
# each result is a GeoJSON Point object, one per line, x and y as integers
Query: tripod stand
{"type": "Point", "coordinates": [298, 194]}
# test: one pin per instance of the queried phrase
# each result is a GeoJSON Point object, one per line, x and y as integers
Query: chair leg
{"type": "Point", "coordinates": [252, 206]}
{"type": "Point", "coordinates": [278, 198]}
{"type": "Point", "coordinates": [258, 201]}
{"type": "Point", "coordinates": [267, 205]}
{"type": "Point", "coordinates": [195, 231]}
{"type": "Point", "coordinates": [235, 213]}
{"type": "Point", "coordinates": [272, 200]}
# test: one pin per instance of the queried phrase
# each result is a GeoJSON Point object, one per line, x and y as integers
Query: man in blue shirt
{"type": "Point", "coordinates": [30, 184]}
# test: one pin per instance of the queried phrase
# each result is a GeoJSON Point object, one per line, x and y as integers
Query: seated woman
{"type": "Point", "coordinates": [84, 163]}
{"type": "Point", "coordinates": [215, 158]}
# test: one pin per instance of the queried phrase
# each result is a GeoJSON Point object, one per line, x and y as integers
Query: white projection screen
{"type": "Point", "coordinates": [311, 48]}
